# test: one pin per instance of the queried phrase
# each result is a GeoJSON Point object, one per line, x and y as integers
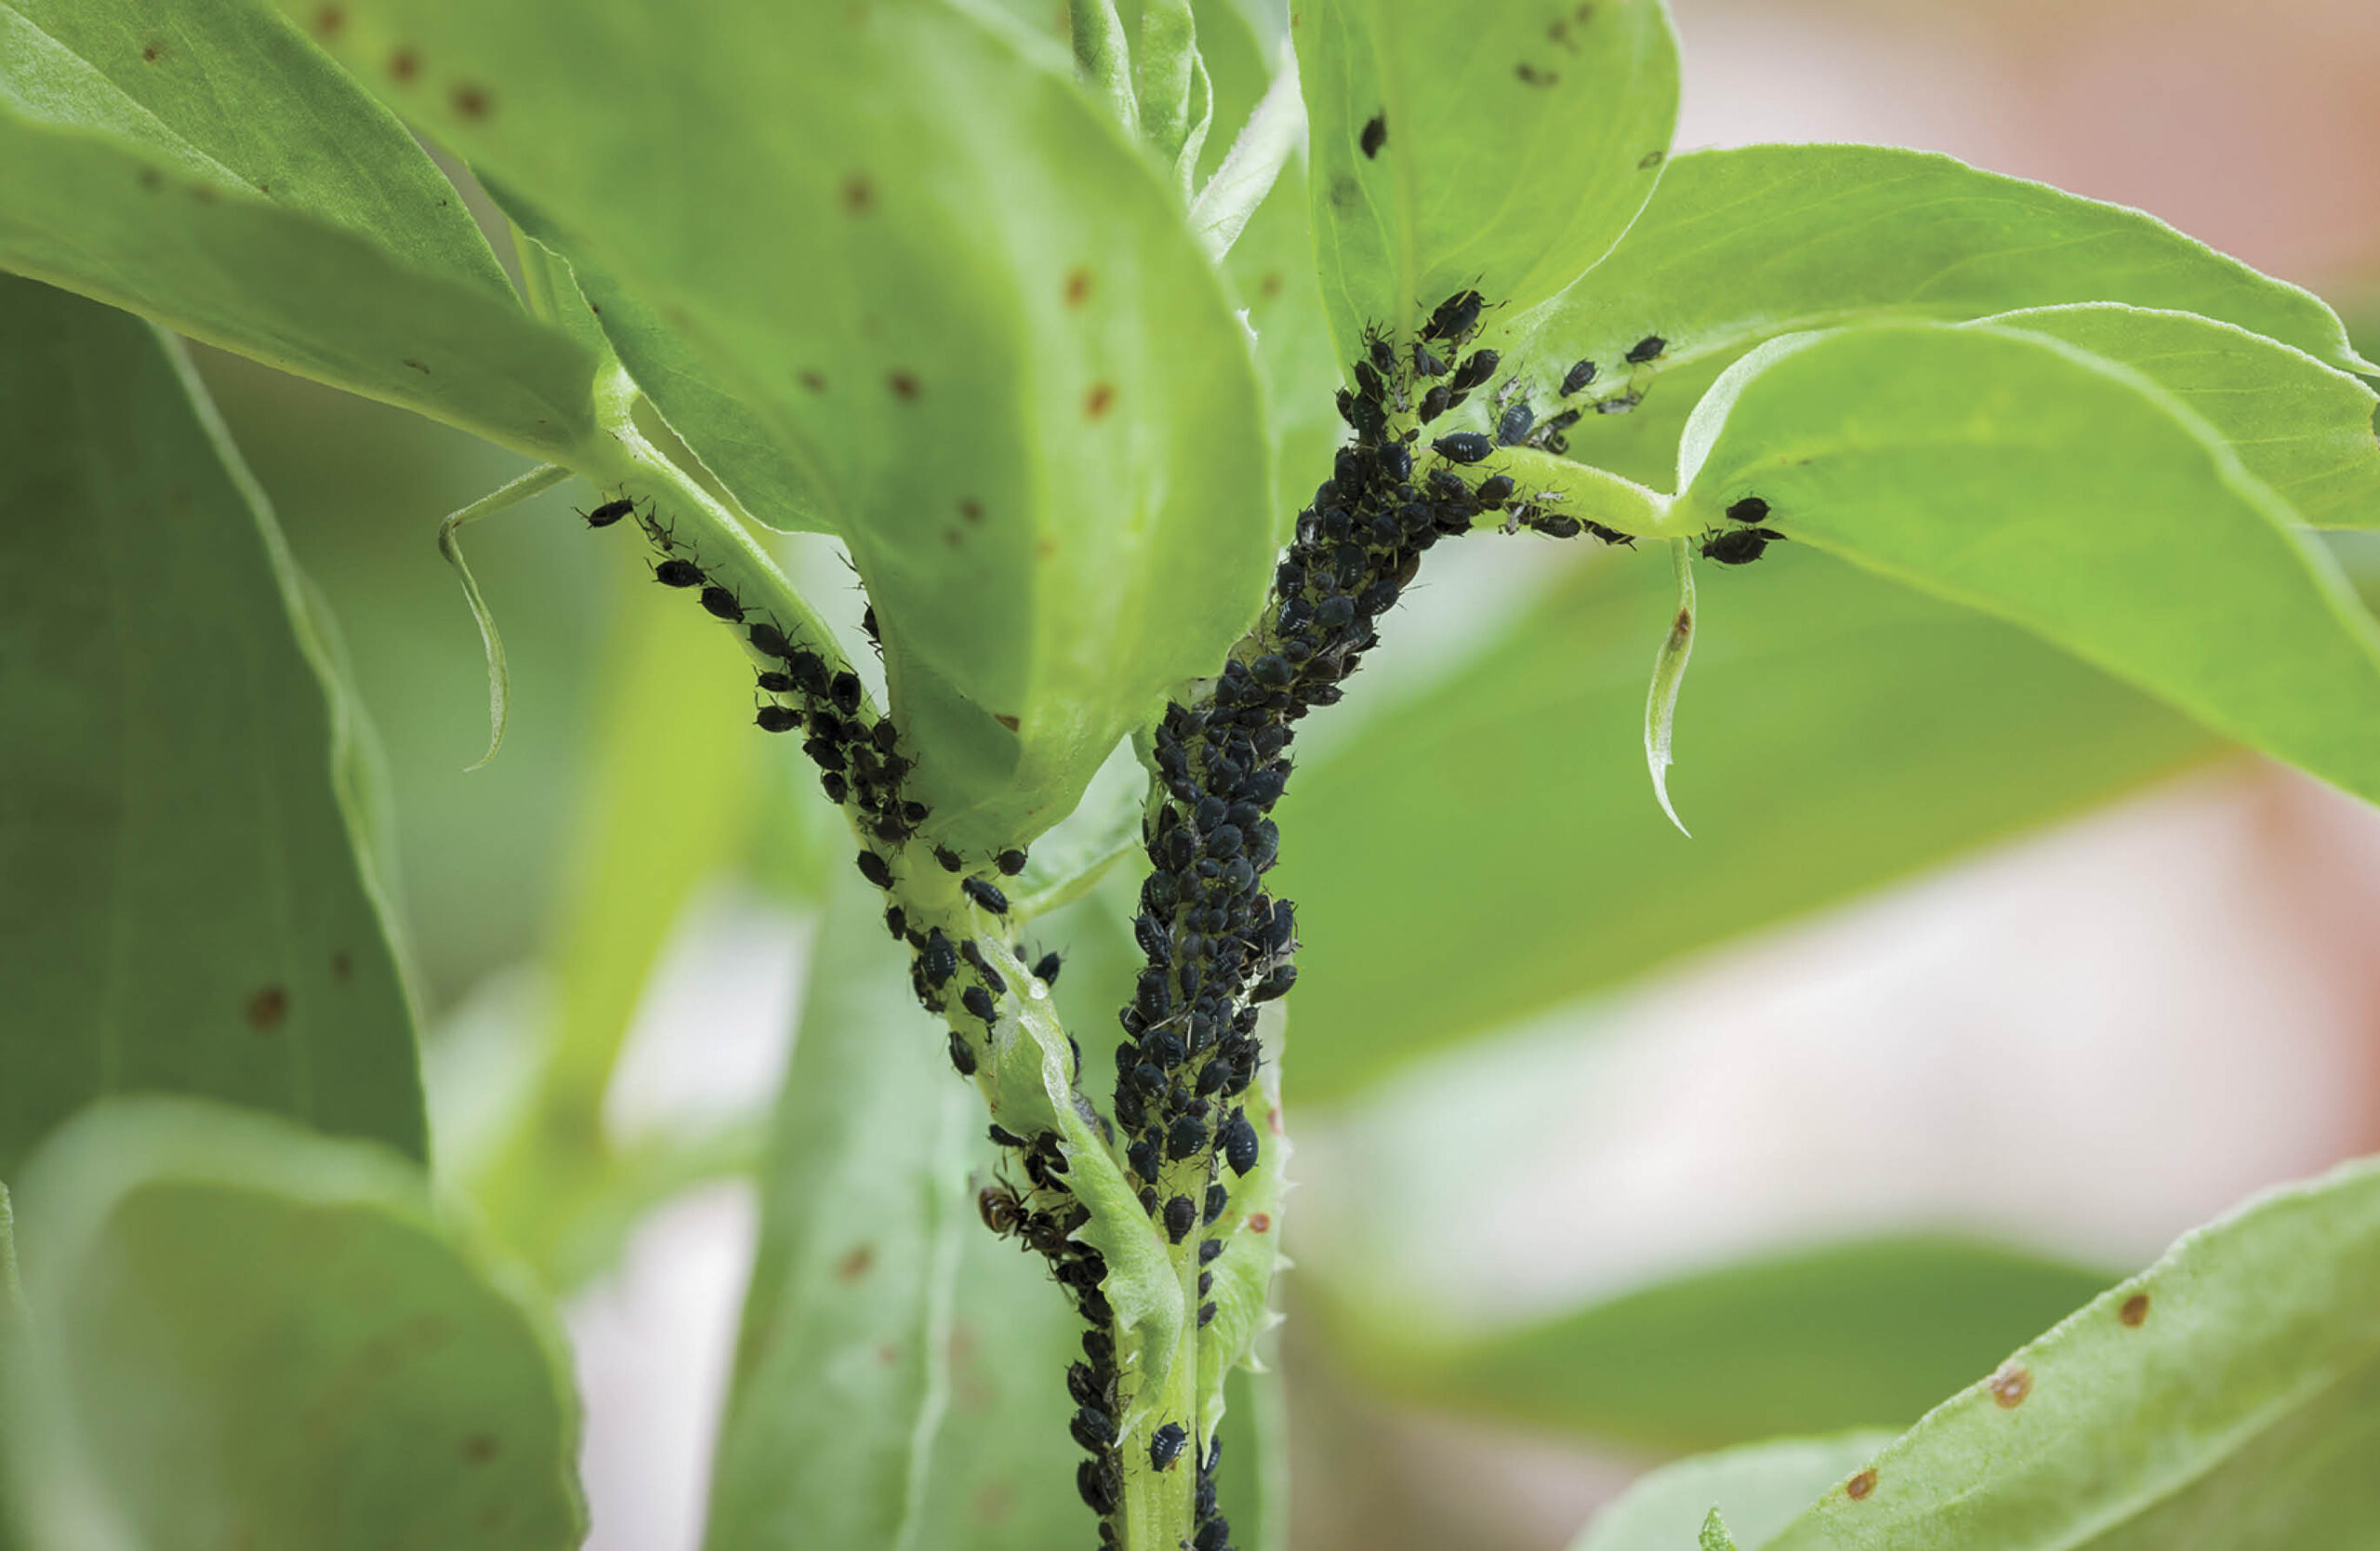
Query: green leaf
{"type": "Point", "coordinates": [1880, 731]}
{"type": "Point", "coordinates": [232, 93]}
{"type": "Point", "coordinates": [2227, 1396]}
{"type": "Point", "coordinates": [1739, 246]}
{"type": "Point", "coordinates": [1864, 1332]}
{"type": "Point", "coordinates": [2302, 427]}
{"type": "Point", "coordinates": [899, 1380]}
{"type": "Point", "coordinates": [1272, 269]}
{"type": "Point", "coordinates": [2070, 495]}
{"type": "Point", "coordinates": [184, 899]}
{"type": "Point", "coordinates": [1714, 1536]}
{"type": "Point", "coordinates": [1512, 148]}
{"type": "Point", "coordinates": [1250, 1229]}
{"type": "Point", "coordinates": [241, 1333]}
{"type": "Point", "coordinates": [1045, 458]}
{"type": "Point", "coordinates": [1758, 1487]}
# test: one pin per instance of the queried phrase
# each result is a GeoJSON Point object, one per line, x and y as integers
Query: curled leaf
{"type": "Point", "coordinates": [1668, 671]}
{"type": "Point", "coordinates": [499, 677]}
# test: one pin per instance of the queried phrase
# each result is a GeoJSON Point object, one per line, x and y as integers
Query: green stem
{"type": "Point", "coordinates": [1163, 68]}
{"type": "Point", "coordinates": [499, 676]}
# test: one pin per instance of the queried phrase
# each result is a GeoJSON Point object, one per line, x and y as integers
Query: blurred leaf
{"type": "Point", "coordinates": [2302, 427]}
{"type": "Point", "coordinates": [899, 1379]}
{"type": "Point", "coordinates": [241, 1333]}
{"type": "Point", "coordinates": [1839, 732]}
{"type": "Point", "coordinates": [1758, 1487]}
{"type": "Point", "coordinates": [674, 777]}
{"type": "Point", "coordinates": [2017, 475]}
{"type": "Point", "coordinates": [1864, 1333]}
{"type": "Point", "coordinates": [231, 93]}
{"type": "Point", "coordinates": [1045, 458]}
{"type": "Point", "coordinates": [1252, 1481]}
{"type": "Point", "coordinates": [135, 229]}
{"type": "Point", "coordinates": [1738, 247]}
{"type": "Point", "coordinates": [1506, 150]}
{"type": "Point", "coordinates": [182, 896]}
{"type": "Point", "coordinates": [2226, 1397]}
{"type": "Point", "coordinates": [1272, 269]}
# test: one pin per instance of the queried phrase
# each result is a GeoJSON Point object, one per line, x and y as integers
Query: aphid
{"type": "Point", "coordinates": [835, 787]}
{"type": "Point", "coordinates": [1649, 347]}
{"type": "Point", "coordinates": [896, 921]}
{"type": "Point", "coordinates": [867, 628]}
{"type": "Point", "coordinates": [1164, 1445]}
{"type": "Point", "coordinates": [1495, 490]}
{"type": "Point", "coordinates": [1045, 969]}
{"type": "Point", "coordinates": [1142, 1156]}
{"type": "Point", "coordinates": [1462, 446]}
{"type": "Point", "coordinates": [1426, 361]}
{"type": "Point", "coordinates": [1205, 1313]}
{"type": "Point", "coordinates": [1555, 525]}
{"type": "Point", "coordinates": [1011, 861]}
{"type": "Point", "coordinates": [1096, 1480]}
{"type": "Point", "coordinates": [724, 604]}
{"type": "Point", "coordinates": [946, 859]}
{"type": "Point", "coordinates": [1218, 1199]}
{"type": "Point", "coordinates": [1215, 1533]}
{"type": "Point", "coordinates": [1455, 318]}
{"type": "Point", "coordinates": [1436, 402]}
{"type": "Point", "coordinates": [1610, 536]}
{"type": "Point", "coordinates": [1375, 135]}
{"type": "Point", "coordinates": [979, 1002]}
{"type": "Point", "coordinates": [609, 512]}
{"type": "Point", "coordinates": [962, 1056]}
{"type": "Point", "coordinates": [1381, 348]}
{"type": "Point", "coordinates": [777, 719]}
{"type": "Point", "coordinates": [1240, 1143]}
{"type": "Point", "coordinates": [1476, 368]}
{"type": "Point", "coordinates": [1149, 931]}
{"type": "Point", "coordinates": [1208, 1249]}
{"type": "Point", "coordinates": [985, 894]}
{"type": "Point", "coordinates": [1002, 1137]}
{"type": "Point", "coordinates": [679, 573]}
{"type": "Point", "coordinates": [876, 869]}
{"type": "Point", "coordinates": [1737, 546]}
{"type": "Point", "coordinates": [1577, 377]}
{"type": "Point", "coordinates": [1082, 1384]}
{"type": "Point", "coordinates": [1206, 1282]}
{"type": "Point", "coordinates": [775, 682]}
{"type": "Point", "coordinates": [1092, 1428]}
{"type": "Point", "coordinates": [1368, 381]}
{"type": "Point", "coordinates": [1183, 1137]}
{"type": "Point", "coordinates": [844, 691]}
{"type": "Point", "coordinates": [939, 962]}
{"type": "Point", "coordinates": [1513, 428]}
{"type": "Point", "coordinates": [1751, 510]}
{"type": "Point", "coordinates": [1180, 1216]}
{"type": "Point", "coordinates": [769, 641]}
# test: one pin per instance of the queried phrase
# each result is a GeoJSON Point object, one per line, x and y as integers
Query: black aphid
{"type": "Point", "coordinates": [1577, 377]}
{"type": "Point", "coordinates": [1752, 511]}
{"type": "Point", "coordinates": [1240, 1143]}
{"type": "Point", "coordinates": [1045, 969]}
{"type": "Point", "coordinates": [946, 859]}
{"type": "Point", "coordinates": [937, 959]}
{"type": "Point", "coordinates": [1164, 1445]}
{"type": "Point", "coordinates": [609, 512]}
{"type": "Point", "coordinates": [679, 573]}
{"type": "Point", "coordinates": [1218, 1199]}
{"type": "Point", "coordinates": [777, 719]}
{"type": "Point", "coordinates": [962, 1054]}
{"type": "Point", "coordinates": [724, 604]}
{"type": "Point", "coordinates": [1375, 135]}
{"type": "Point", "coordinates": [1011, 861]}
{"type": "Point", "coordinates": [1462, 446]}
{"type": "Point", "coordinates": [1649, 347]}
{"type": "Point", "coordinates": [1180, 1216]}
{"type": "Point", "coordinates": [985, 894]}
{"type": "Point", "coordinates": [876, 869]}
{"type": "Point", "coordinates": [1455, 318]}
{"type": "Point", "coordinates": [979, 1002]}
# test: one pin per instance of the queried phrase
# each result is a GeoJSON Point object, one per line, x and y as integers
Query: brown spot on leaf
{"type": "Point", "coordinates": [813, 381]}
{"type": "Point", "coordinates": [2010, 1385]}
{"type": "Point", "coordinates": [1650, 159]}
{"type": "Point", "coordinates": [1260, 1222]}
{"type": "Point", "coordinates": [478, 1448]}
{"type": "Point", "coordinates": [903, 385]}
{"type": "Point", "coordinates": [1011, 723]}
{"type": "Point", "coordinates": [859, 194]}
{"type": "Point", "coordinates": [152, 179]}
{"type": "Point", "coordinates": [151, 54]}
{"type": "Point", "coordinates": [1078, 286]}
{"type": "Point", "coordinates": [405, 65]}
{"type": "Point", "coordinates": [1684, 623]}
{"type": "Point", "coordinates": [342, 967]}
{"type": "Point", "coordinates": [1096, 403]}
{"type": "Point", "coordinates": [888, 1354]}
{"type": "Point", "coordinates": [1861, 1485]}
{"type": "Point", "coordinates": [472, 101]}
{"type": "Point", "coordinates": [1270, 285]}
{"type": "Point", "coordinates": [856, 1263]}
{"type": "Point", "coordinates": [267, 1006]}
{"type": "Point", "coordinates": [1532, 76]}
{"type": "Point", "coordinates": [970, 508]}
{"type": "Point", "coordinates": [1045, 548]}
{"type": "Point", "coordinates": [416, 366]}
{"type": "Point", "coordinates": [2134, 1310]}
{"type": "Point", "coordinates": [329, 20]}
{"type": "Point", "coordinates": [994, 1501]}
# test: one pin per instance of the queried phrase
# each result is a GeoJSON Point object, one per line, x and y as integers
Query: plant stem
{"type": "Point", "coordinates": [1104, 58]}
{"type": "Point", "coordinates": [1161, 69]}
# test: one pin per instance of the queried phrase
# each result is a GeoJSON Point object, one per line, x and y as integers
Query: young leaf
{"type": "Point", "coordinates": [111, 221]}
{"type": "Point", "coordinates": [1739, 246]}
{"type": "Point", "coordinates": [232, 93]}
{"type": "Point", "coordinates": [2229, 1395]}
{"type": "Point", "coordinates": [1862, 1333]}
{"type": "Point", "coordinates": [1504, 148]}
{"type": "Point", "coordinates": [241, 1332]}
{"type": "Point", "coordinates": [2018, 475]}
{"type": "Point", "coordinates": [1758, 1487]}
{"type": "Point", "coordinates": [966, 308]}
{"type": "Point", "coordinates": [1714, 1536]}
{"type": "Point", "coordinates": [900, 1377]}
{"type": "Point", "coordinates": [1880, 730]}
{"type": "Point", "coordinates": [2302, 427]}
{"type": "Point", "coordinates": [186, 903]}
